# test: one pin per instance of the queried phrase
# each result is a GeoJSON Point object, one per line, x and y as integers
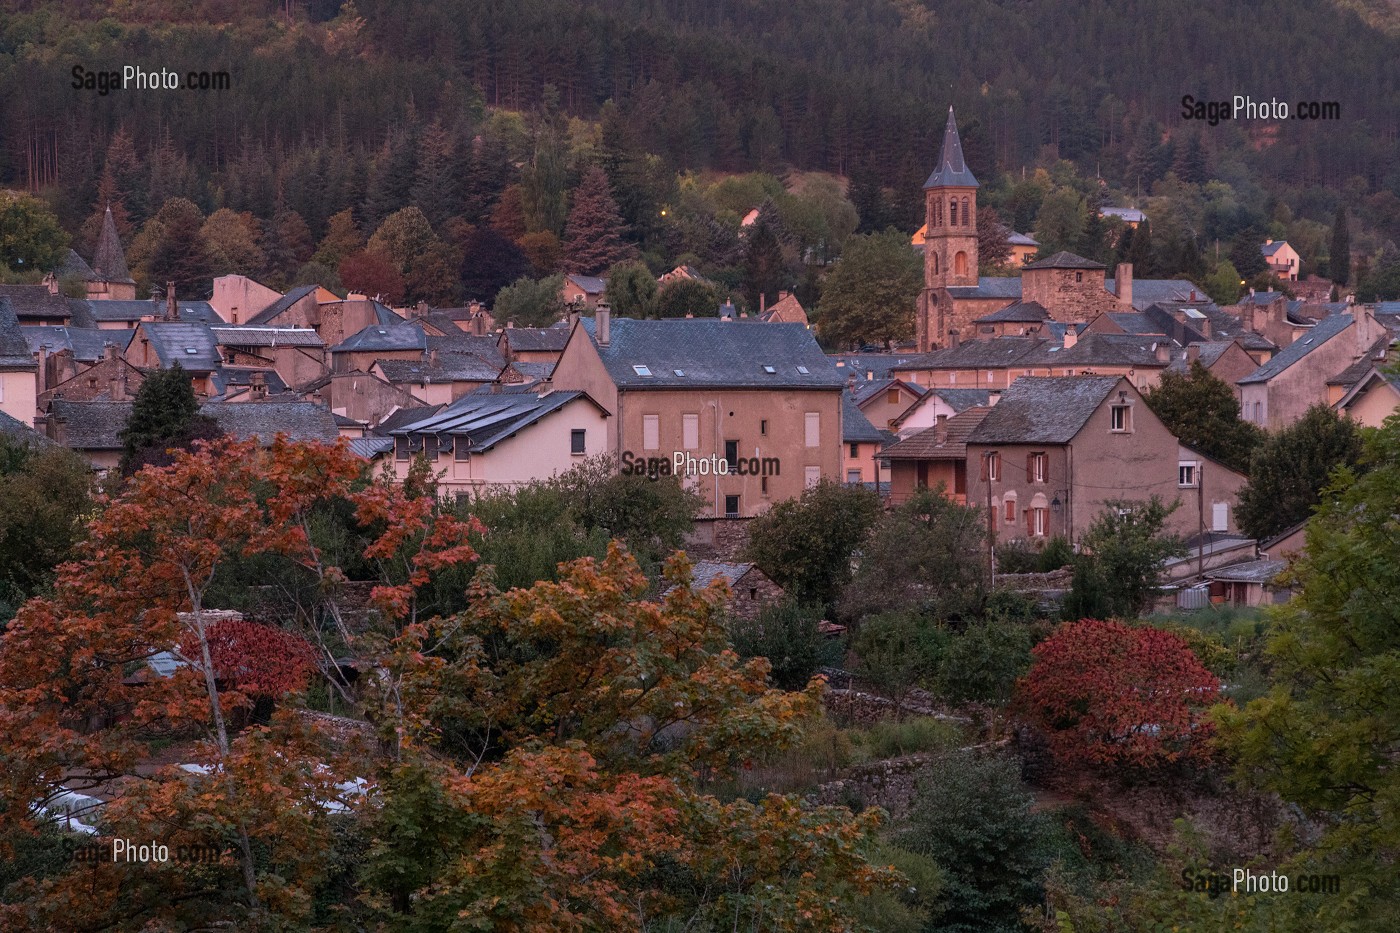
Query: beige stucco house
{"type": "Point", "coordinates": [1278, 393]}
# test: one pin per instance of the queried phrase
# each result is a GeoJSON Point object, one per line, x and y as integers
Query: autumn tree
{"type": "Point", "coordinates": [1289, 470]}
{"type": "Point", "coordinates": [594, 236]}
{"type": "Point", "coordinates": [232, 242]}
{"type": "Point", "coordinates": [371, 272]}
{"type": "Point", "coordinates": [1203, 413]}
{"type": "Point", "coordinates": [1109, 694]}
{"type": "Point", "coordinates": [342, 239]}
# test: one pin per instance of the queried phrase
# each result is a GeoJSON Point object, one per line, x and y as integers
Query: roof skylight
{"type": "Point", "coordinates": [641, 370]}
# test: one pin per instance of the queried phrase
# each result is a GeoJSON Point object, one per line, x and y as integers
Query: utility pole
{"type": "Point", "coordinates": [991, 520]}
{"type": "Point", "coordinates": [1201, 518]}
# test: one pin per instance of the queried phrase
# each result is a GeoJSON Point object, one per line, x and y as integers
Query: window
{"type": "Point", "coordinates": [577, 446]}
{"type": "Point", "coordinates": [1258, 413]}
{"type": "Point", "coordinates": [814, 429]}
{"type": "Point", "coordinates": [804, 370]}
{"type": "Point", "coordinates": [731, 506]}
{"type": "Point", "coordinates": [1186, 474]}
{"type": "Point", "coordinates": [812, 476]}
{"type": "Point", "coordinates": [763, 428]}
{"type": "Point", "coordinates": [690, 431]}
{"type": "Point", "coordinates": [953, 213]}
{"type": "Point", "coordinates": [1220, 516]}
{"type": "Point", "coordinates": [1038, 522]}
{"type": "Point", "coordinates": [855, 451]}
{"type": "Point", "coordinates": [731, 454]}
{"type": "Point", "coordinates": [678, 372]}
{"type": "Point", "coordinates": [853, 476]}
{"type": "Point", "coordinates": [991, 467]}
{"type": "Point", "coordinates": [892, 397]}
{"type": "Point", "coordinates": [960, 264]}
{"type": "Point", "coordinates": [1038, 466]}
{"type": "Point", "coordinates": [770, 370]}
{"type": "Point", "coordinates": [763, 485]}
{"type": "Point", "coordinates": [651, 432]}
{"type": "Point", "coordinates": [1010, 506]}
{"type": "Point", "coordinates": [461, 448]}
{"type": "Point", "coordinates": [1079, 276]}
{"type": "Point", "coordinates": [641, 370]}
{"type": "Point", "coordinates": [1120, 418]}
{"type": "Point", "coordinates": [430, 447]}
{"type": "Point", "coordinates": [401, 451]}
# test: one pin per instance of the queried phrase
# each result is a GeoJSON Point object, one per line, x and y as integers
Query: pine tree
{"type": "Point", "coordinates": [165, 413]}
{"type": "Point", "coordinates": [391, 179]}
{"type": "Point", "coordinates": [1339, 263]}
{"type": "Point", "coordinates": [593, 239]}
{"type": "Point", "coordinates": [1245, 254]}
{"type": "Point", "coordinates": [1190, 164]}
{"type": "Point", "coordinates": [869, 199]}
{"type": "Point", "coordinates": [287, 243]}
{"type": "Point", "coordinates": [434, 189]}
{"type": "Point", "coordinates": [764, 271]}
{"type": "Point", "coordinates": [1142, 256]}
{"type": "Point", "coordinates": [177, 250]}
{"type": "Point", "coordinates": [490, 262]}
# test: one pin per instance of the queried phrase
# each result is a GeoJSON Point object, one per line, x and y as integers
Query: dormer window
{"type": "Point", "coordinates": [678, 372]}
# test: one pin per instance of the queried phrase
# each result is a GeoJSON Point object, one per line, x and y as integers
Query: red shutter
{"type": "Point", "coordinates": [1030, 467]}
{"type": "Point", "coordinates": [983, 458]}
{"type": "Point", "coordinates": [1030, 523]}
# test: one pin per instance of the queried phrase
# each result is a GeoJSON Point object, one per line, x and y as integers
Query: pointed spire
{"type": "Point", "coordinates": [109, 262]}
{"type": "Point", "coordinates": [952, 171]}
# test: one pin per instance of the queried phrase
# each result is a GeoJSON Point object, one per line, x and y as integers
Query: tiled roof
{"type": "Point", "coordinates": [16, 430]}
{"type": "Point", "coordinates": [855, 427]}
{"type": "Point", "coordinates": [378, 338]}
{"type": "Point", "coordinates": [1043, 410]}
{"type": "Point", "coordinates": [683, 353]}
{"type": "Point", "coordinates": [861, 363]}
{"type": "Point", "coordinates": [533, 370]}
{"type": "Point", "coordinates": [94, 425]}
{"type": "Point", "coordinates": [945, 442]}
{"type": "Point", "coordinates": [1152, 291]}
{"type": "Point", "coordinates": [486, 419]}
{"type": "Point", "coordinates": [977, 354]}
{"type": "Point", "coordinates": [1374, 356]}
{"type": "Point", "coordinates": [1323, 331]}
{"type": "Point", "coordinates": [235, 377]}
{"type": "Point", "coordinates": [1208, 354]}
{"type": "Point", "coordinates": [870, 388]}
{"type": "Point", "coordinates": [108, 261]}
{"type": "Point", "coordinates": [952, 168]}
{"type": "Point", "coordinates": [1134, 322]}
{"type": "Point", "coordinates": [14, 348]}
{"type": "Point", "coordinates": [191, 312]}
{"type": "Point", "coordinates": [1022, 312]}
{"type": "Point", "coordinates": [281, 304]}
{"type": "Point", "coordinates": [1065, 260]}
{"type": "Point", "coordinates": [190, 345]}
{"type": "Point", "coordinates": [1106, 350]}
{"type": "Point", "coordinates": [450, 367]}
{"type": "Point", "coordinates": [36, 301]}
{"type": "Point", "coordinates": [541, 339]}
{"type": "Point", "coordinates": [86, 344]}
{"type": "Point", "coordinates": [237, 335]}
{"type": "Point", "coordinates": [300, 421]}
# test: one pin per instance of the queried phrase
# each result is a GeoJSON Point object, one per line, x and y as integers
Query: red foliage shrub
{"type": "Point", "coordinates": [1106, 693]}
{"type": "Point", "coordinates": [258, 660]}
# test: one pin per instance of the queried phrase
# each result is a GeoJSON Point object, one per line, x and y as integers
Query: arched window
{"type": "Point", "coordinates": [953, 212]}
{"type": "Point", "coordinates": [938, 213]}
{"type": "Point", "coordinates": [967, 214]}
{"type": "Point", "coordinates": [960, 264]}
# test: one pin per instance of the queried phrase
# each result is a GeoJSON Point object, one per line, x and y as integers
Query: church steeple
{"type": "Point", "coordinates": [109, 262]}
{"type": "Point", "coordinates": [952, 171]}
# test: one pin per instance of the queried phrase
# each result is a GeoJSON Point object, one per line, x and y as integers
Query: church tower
{"type": "Point", "coordinates": [950, 235]}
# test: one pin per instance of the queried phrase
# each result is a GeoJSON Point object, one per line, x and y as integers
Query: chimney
{"type": "Point", "coordinates": [851, 382]}
{"type": "Point", "coordinates": [257, 386]}
{"type": "Point", "coordinates": [116, 389]}
{"type": "Point", "coordinates": [689, 315]}
{"type": "Point", "coordinates": [602, 320]}
{"type": "Point", "coordinates": [172, 312]}
{"type": "Point", "coordinates": [1203, 325]}
{"type": "Point", "coordinates": [317, 397]}
{"type": "Point", "coordinates": [58, 430]}
{"type": "Point", "coordinates": [52, 282]}
{"type": "Point", "coordinates": [1123, 282]}
{"type": "Point", "coordinates": [744, 315]}
{"type": "Point", "coordinates": [43, 374]}
{"type": "Point", "coordinates": [1193, 353]}
{"type": "Point", "coordinates": [953, 337]}
{"type": "Point", "coordinates": [1163, 351]}
{"type": "Point", "coordinates": [782, 295]}
{"type": "Point", "coordinates": [433, 358]}
{"type": "Point", "coordinates": [478, 323]}
{"type": "Point", "coordinates": [109, 351]}
{"type": "Point", "coordinates": [762, 303]}
{"type": "Point", "coordinates": [420, 309]}
{"type": "Point", "coordinates": [1071, 337]}
{"type": "Point", "coordinates": [940, 431]}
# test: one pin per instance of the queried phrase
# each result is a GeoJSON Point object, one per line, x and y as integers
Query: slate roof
{"type": "Point", "coordinates": [1022, 239]}
{"type": "Point", "coordinates": [948, 442]}
{"type": "Point", "coordinates": [1268, 249]}
{"type": "Point", "coordinates": [539, 339]}
{"type": "Point", "coordinates": [190, 345]}
{"type": "Point", "coordinates": [590, 284]}
{"type": "Point", "coordinates": [93, 425]}
{"type": "Point", "coordinates": [450, 367]}
{"type": "Point", "coordinates": [17, 430]}
{"type": "Point", "coordinates": [1134, 322]}
{"type": "Point", "coordinates": [1374, 355]}
{"type": "Point", "coordinates": [1153, 291]}
{"type": "Point", "coordinates": [369, 446]}
{"type": "Point", "coordinates": [14, 348]}
{"type": "Point", "coordinates": [281, 304]}
{"type": "Point", "coordinates": [236, 377]}
{"type": "Point", "coordinates": [1207, 353]}
{"type": "Point", "coordinates": [977, 354]}
{"type": "Point", "coordinates": [861, 363]}
{"type": "Point", "coordinates": [952, 168]}
{"type": "Point", "coordinates": [713, 353]}
{"type": "Point", "coordinates": [1065, 260]}
{"type": "Point", "coordinates": [1321, 332]}
{"type": "Point", "coordinates": [300, 421]}
{"type": "Point", "coordinates": [191, 312]}
{"type": "Point", "coordinates": [1043, 410]}
{"type": "Point", "coordinates": [381, 338]}
{"type": "Point", "coordinates": [108, 261]}
{"type": "Point", "coordinates": [36, 301]}
{"type": "Point", "coordinates": [1254, 571]}
{"type": "Point", "coordinates": [855, 427]}
{"type": "Point", "coordinates": [705, 572]}
{"type": "Point", "coordinates": [237, 335]}
{"type": "Point", "coordinates": [74, 267]}
{"type": "Point", "coordinates": [960, 400]}
{"type": "Point", "coordinates": [533, 371]}
{"type": "Point", "coordinates": [483, 348]}
{"type": "Point", "coordinates": [870, 388]}
{"type": "Point", "coordinates": [405, 416]}
{"type": "Point", "coordinates": [1105, 350]}
{"type": "Point", "coordinates": [486, 419]}
{"type": "Point", "coordinates": [1022, 312]}
{"type": "Point", "coordinates": [990, 286]}
{"type": "Point", "coordinates": [86, 344]}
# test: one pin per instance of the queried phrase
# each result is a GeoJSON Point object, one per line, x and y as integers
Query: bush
{"type": "Point", "coordinates": [889, 739]}
{"type": "Point", "coordinates": [805, 545]}
{"type": "Point", "coordinates": [899, 651]}
{"type": "Point", "coordinates": [983, 663]}
{"type": "Point", "coordinates": [787, 635]}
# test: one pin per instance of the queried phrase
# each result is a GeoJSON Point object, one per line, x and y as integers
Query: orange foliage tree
{"type": "Point", "coordinates": [1106, 693]}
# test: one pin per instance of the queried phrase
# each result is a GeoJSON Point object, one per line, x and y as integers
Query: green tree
{"type": "Point", "coordinates": [593, 238]}
{"type": "Point", "coordinates": [1381, 282]}
{"type": "Point", "coordinates": [973, 817]}
{"type": "Point", "coordinates": [44, 492]}
{"type": "Point", "coordinates": [869, 296]}
{"type": "Point", "coordinates": [1143, 254]}
{"type": "Point", "coordinates": [171, 248]}
{"type": "Point", "coordinates": [898, 651]}
{"type": "Point", "coordinates": [632, 290]}
{"type": "Point", "coordinates": [404, 236]}
{"type": "Point", "coordinates": [343, 238]}
{"type": "Point", "coordinates": [287, 243]}
{"type": "Point", "coordinates": [1327, 735]}
{"type": "Point", "coordinates": [1223, 284]}
{"type": "Point", "coordinates": [164, 414]}
{"type": "Point", "coordinates": [1289, 470]}
{"type": "Point", "coordinates": [544, 182]}
{"type": "Point", "coordinates": [680, 297]}
{"type": "Point", "coordinates": [1246, 253]}
{"type": "Point", "coordinates": [982, 663]}
{"type": "Point", "coordinates": [789, 636]}
{"type": "Point", "coordinates": [1203, 413]}
{"type": "Point", "coordinates": [232, 241]}
{"type": "Point", "coordinates": [926, 556]}
{"type": "Point", "coordinates": [1059, 224]}
{"type": "Point", "coordinates": [531, 302]}
{"type": "Point", "coordinates": [31, 241]}
{"type": "Point", "coordinates": [1118, 571]}
{"type": "Point", "coordinates": [764, 270]}
{"type": "Point", "coordinates": [490, 262]}
{"type": "Point", "coordinates": [806, 544]}
{"type": "Point", "coordinates": [1339, 259]}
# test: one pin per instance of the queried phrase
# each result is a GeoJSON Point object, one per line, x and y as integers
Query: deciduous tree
{"type": "Point", "coordinates": [869, 296]}
{"type": "Point", "coordinates": [806, 544]}
{"type": "Point", "coordinates": [1289, 470]}
{"type": "Point", "coordinates": [1203, 413]}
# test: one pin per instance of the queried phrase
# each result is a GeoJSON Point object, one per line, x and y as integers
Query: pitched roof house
{"type": "Point", "coordinates": [1281, 258]}
{"type": "Point", "coordinates": [1279, 392]}
{"type": "Point", "coordinates": [861, 442]}
{"type": "Point", "coordinates": [764, 399]}
{"type": "Point", "coordinates": [18, 383]}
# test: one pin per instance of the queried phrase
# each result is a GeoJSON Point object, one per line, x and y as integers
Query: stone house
{"type": "Point", "coordinates": [583, 291]}
{"type": "Point", "coordinates": [764, 400]}
{"type": "Point", "coordinates": [750, 589]}
{"type": "Point", "coordinates": [933, 456]}
{"type": "Point", "coordinates": [297, 354]}
{"type": "Point", "coordinates": [18, 370]}
{"type": "Point", "coordinates": [358, 395]}
{"type": "Point", "coordinates": [883, 400]}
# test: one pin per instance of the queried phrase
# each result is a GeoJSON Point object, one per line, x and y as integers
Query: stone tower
{"type": "Point", "coordinates": [950, 235]}
{"type": "Point", "coordinates": [112, 278]}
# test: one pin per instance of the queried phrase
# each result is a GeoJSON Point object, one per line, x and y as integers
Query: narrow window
{"type": "Point", "coordinates": [763, 428]}
{"type": "Point", "coordinates": [731, 455]}
{"type": "Point", "coordinates": [814, 429]}
{"type": "Point", "coordinates": [1010, 510]}
{"type": "Point", "coordinates": [576, 441]}
{"type": "Point", "coordinates": [651, 432]}
{"type": "Point", "coordinates": [731, 506]}
{"type": "Point", "coordinates": [813, 476]}
{"type": "Point", "coordinates": [1186, 475]}
{"type": "Point", "coordinates": [690, 428]}
{"type": "Point", "coordinates": [855, 451]}
{"type": "Point", "coordinates": [1121, 419]}
{"type": "Point", "coordinates": [461, 447]}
